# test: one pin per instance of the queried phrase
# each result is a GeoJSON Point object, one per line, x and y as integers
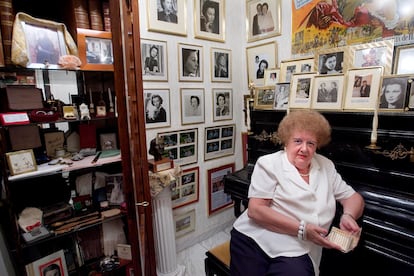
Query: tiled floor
{"type": "Point", "coordinates": [193, 257]}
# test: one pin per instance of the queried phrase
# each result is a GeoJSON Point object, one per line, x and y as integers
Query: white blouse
{"type": "Point", "coordinates": [274, 177]}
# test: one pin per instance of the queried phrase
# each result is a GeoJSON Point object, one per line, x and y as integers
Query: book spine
{"type": "Point", "coordinates": [95, 15]}
{"type": "Point", "coordinates": [81, 14]}
{"type": "Point", "coordinates": [7, 20]}
{"type": "Point", "coordinates": [106, 16]}
{"type": "Point", "coordinates": [2, 63]}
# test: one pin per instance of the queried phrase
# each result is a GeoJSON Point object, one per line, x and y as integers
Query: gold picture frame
{"type": "Point", "coordinates": [264, 97]}
{"type": "Point", "coordinates": [272, 76]}
{"type": "Point", "coordinates": [154, 68]}
{"type": "Point", "coordinates": [373, 54]}
{"type": "Point", "coordinates": [22, 161]}
{"type": "Point", "coordinates": [175, 23]}
{"type": "Point", "coordinates": [192, 106]}
{"type": "Point", "coordinates": [187, 55]}
{"type": "Point", "coordinates": [219, 141]}
{"type": "Point", "coordinates": [393, 93]}
{"type": "Point", "coordinates": [301, 90]}
{"type": "Point", "coordinates": [186, 189]}
{"type": "Point", "coordinates": [328, 91]}
{"type": "Point", "coordinates": [404, 59]}
{"type": "Point", "coordinates": [259, 58]}
{"type": "Point", "coordinates": [337, 57]}
{"type": "Point", "coordinates": [292, 66]}
{"type": "Point", "coordinates": [272, 21]}
{"type": "Point", "coordinates": [221, 65]}
{"type": "Point", "coordinates": [184, 223]}
{"type": "Point", "coordinates": [215, 30]}
{"type": "Point", "coordinates": [359, 96]}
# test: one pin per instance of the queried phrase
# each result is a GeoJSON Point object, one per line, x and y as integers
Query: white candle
{"type": "Point", "coordinates": [374, 127]}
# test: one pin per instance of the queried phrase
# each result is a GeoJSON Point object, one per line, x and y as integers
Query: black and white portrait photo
{"type": "Point", "coordinates": [192, 105]}
{"type": "Point", "coordinates": [157, 107]}
{"type": "Point", "coordinates": [153, 57]}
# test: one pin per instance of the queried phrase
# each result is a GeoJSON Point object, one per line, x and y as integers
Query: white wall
{"type": "Point", "coordinates": [236, 41]}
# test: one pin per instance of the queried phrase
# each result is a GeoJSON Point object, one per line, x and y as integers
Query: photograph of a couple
{"type": "Point", "coordinates": [263, 19]}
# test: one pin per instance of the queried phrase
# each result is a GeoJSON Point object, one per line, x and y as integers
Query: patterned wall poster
{"type": "Point", "coordinates": [333, 23]}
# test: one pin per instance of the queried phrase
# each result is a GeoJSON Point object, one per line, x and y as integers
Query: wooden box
{"type": "Point", "coordinates": [160, 165]}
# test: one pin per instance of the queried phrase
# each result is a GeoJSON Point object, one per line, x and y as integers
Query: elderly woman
{"type": "Point", "coordinates": [292, 203]}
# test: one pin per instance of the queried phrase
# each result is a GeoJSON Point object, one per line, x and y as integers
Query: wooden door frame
{"type": "Point", "coordinates": [131, 123]}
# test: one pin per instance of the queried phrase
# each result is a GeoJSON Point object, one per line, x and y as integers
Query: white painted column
{"type": "Point", "coordinates": [166, 252]}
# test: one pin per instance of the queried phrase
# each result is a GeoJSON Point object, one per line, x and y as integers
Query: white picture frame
{"type": "Point", "coordinates": [192, 106]}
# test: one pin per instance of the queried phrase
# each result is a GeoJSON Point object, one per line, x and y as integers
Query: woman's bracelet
{"type": "Point", "coordinates": [348, 214]}
{"type": "Point", "coordinates": [302, 230]}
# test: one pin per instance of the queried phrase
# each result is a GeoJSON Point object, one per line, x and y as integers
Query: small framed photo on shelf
{"type": "Point", "coordinates": [157, 108]}
{"type": "Point", "coordinates": [190, 62]}
{"type": "Point", "coordinates": [169, 19]}
{"type": "Point", "coordinates": [363, 85]}
{"type": "Point", "coordinates": [184, 223]}
{"type": "Point", "coordinates": [373, 54]}
{"type": "Point", "coordinates": [221, 70]}
{"type": "Point", "coordinates": [281, 99]}
{"type": "Point", "coordinates": [217, 198]}
{"type": "Point", "coordinates": [332, 61]}
{"type": "Point", "coordinates": [289, 67]}
{"type": "Point", "coordinates": [393, 93]}
{"type": "Point", "coordinates": [108, 141]}
{"type": "Point", "coordinates": [264, 97]}
{"type": "Point", "coordinates": [260, 58]}
{"type": "Point", "coordinates": [181, 146]}
{"type": "Point", "coordinates": [404, 59]}
{"type": "Point", "coordinates": [95, 50]}
{"type": "Point", "coordinates": [53, 264]}
{"type": "Point", "coordinates": [328, 92]}
{"type": "Point", "coordinates": [264, 19]}
{"type": "Point", "coordinates": [209, 19]}
{"type": "Point", "coordinates": [192, 106]}
{"type": "Point", "coordinates": [21, 161]}
{"type": "Point", "coordinates": [154, 60]}
{"type": "Point", "coordinates": [300, 90]}
{"type": "Point", "coordinates": [271, 76]}
{"type": "Point", "coordinates": [186, 189]}
{"type": "Point", "coordinates": [219, 141]}
{"type": "Point", "coordinates": [411, 93]}
{"type": "Point", "coordinates": [222, 104]}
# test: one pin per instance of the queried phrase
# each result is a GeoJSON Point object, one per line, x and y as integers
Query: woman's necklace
{"type": "Point", "coordinates": [304, 175]}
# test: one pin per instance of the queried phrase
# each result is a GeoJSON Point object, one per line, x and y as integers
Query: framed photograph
{"type": "Point", "coordinates": [260, 58]}
{"type": "Point", "coordinates": [21, 161]}
{"type": "Point", "coordinates": [192, 106]}
{"type": "Point", "coordinates": [362, 88]}
{"type": "Point", "coordinates": [190, 62]}
{"type": "Point", "coordinates": [373, 54]}
{"type": "Point", "coordinates": [328, 92]}
{"type": "Point", "coordinates": [167, 16]}
{"type": "Point", "coordinates": [55, 140]}
{"type": "Point", "coordinates": [186, 189]}
{"type": "Point", "coordinates": [108, 141]}
{"type": "Point", "coordinates": [53, 264]}
{"type": "Point", "coordinates": [209, 19]}
{"type": "Point", "coordinates": [264, 19]}
{"type": "Point", "coordinates": [300, 90]}
{"type": "Point", "coordinates": [221, 70]}
{"type": "Point", "coordinates": [222, 104]}
{"type": "Point", "coordinates": [219, 141]}
{"type": "Point", "coordinates": [154, 60]}
{"type": "Point", "coordinates": [217, 198]}
{"type": "Point", "coordinates": [264, 97]}
{"type": "Point", "coordinates": [45, 43]}
{"type": "Point", "coordinates": [157, 108]}
{"type": "Point", "coordinates": [281, 99]}
{"type": "Point", "coordinates": [411, 93]}
{"type": "Point", "coordinates": [181, 146]}
{"type": "Point", "coordinates": [184, 223]}
{"type": "Point", "coordinates": [95, 50]}
{"type": "Point", "coordinates": [393, 93]}
{"type": "Point", "coordinates": [332, 61]}
{"type": "Point", "coordinates": [289, 67]}
{"type": "Point", "coordinates": [271, 76]}
{"type": "Point", "coordinates": [404, 59]}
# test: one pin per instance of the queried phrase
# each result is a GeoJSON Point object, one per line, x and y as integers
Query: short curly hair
{"type": "Point", "coordinates": [306, 120]}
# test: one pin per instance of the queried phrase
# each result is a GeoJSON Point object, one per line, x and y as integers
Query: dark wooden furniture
{"type": "Point", "coordinates": [217, 262]}
{"type": "Point", "coordinates": [386, 245]}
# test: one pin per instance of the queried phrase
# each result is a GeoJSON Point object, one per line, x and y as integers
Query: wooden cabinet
{"type": "Point", "coordinates": [40, 190]}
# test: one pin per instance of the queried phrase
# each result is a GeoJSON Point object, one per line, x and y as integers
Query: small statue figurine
{"type": "Point", "coordinates": [156, 148]}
